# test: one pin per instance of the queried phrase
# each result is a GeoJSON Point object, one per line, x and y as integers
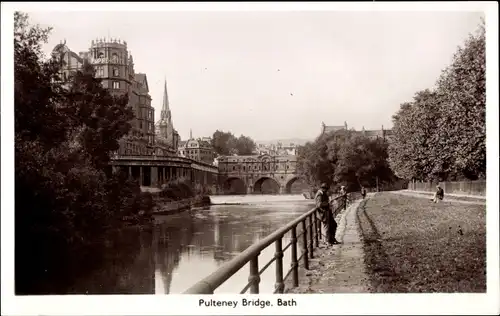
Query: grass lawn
{"type": "Point", "coordinates": [413, 245]}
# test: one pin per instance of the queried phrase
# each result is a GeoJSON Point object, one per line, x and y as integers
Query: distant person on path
{"type": "Point", "coordinates": [363, 192]}
{"type": "Point", "coordinates": [342, 191]}
{"type": "Point", "coordinates": [439, 195]}
{"type": "Point", "coordinates": [323, 204]}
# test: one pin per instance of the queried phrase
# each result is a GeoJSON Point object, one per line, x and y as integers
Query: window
{"type": "Point", "coordinates": [100, 55]}
{"type": "Point", "coordinates": [116, 85]}
{"type": "Point", "coordinates": [116, 72]}
{"type": "Point", "coordinates": [150, 114]}
{"type": "Point", "coordinates": [99, 72]}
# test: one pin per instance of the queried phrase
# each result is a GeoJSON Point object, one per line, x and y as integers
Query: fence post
{"type": "Point", "coordinates": [316, 240]}
{"type": "Point", "coordinates": [311, 237]}
{"type": "Point", "coordinates": [304, 246]}
{"type": "Point", "coordinates": [254, 277]}
{"type": "Point", "coordinates": [294, 264]}
{"type": "Point", "coordinates": [280, 286]}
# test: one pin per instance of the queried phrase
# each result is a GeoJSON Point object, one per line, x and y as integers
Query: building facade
{"type": "Point", "coordinates": [197, 149]}
{"type": "Point", "coordinates": [278, 149]}
{"type": "Point", "coordinates": [167, 139]}
{"type": "Point", "coordinates": [114, 65]}
{"type": "Point", "coordinates": [384, 134]}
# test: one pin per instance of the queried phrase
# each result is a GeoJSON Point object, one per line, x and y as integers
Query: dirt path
{"type": "Point", "coordinates": [340, 268]}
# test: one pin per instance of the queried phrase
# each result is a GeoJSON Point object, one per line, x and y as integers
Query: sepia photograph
{"type": "Point", "coordinates": [260, 154]}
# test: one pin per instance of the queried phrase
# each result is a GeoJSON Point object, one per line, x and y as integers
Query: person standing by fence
{"type": "Point", "coordinates": [329, 228]}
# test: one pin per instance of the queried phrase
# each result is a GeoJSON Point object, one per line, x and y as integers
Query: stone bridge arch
{"type": "Point", "coordinates": [272, 186]}
{"type": "Point", "coordinates": [234, 185]}
{"type": "Point", "coordinates": [303, 187]}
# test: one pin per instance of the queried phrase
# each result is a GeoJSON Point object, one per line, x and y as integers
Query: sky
{"type": "Point", "coordinates": [276, 75]}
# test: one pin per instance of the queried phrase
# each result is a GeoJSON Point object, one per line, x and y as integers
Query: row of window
{"type": "Point", "coordinates": [255, 168]}
{"type": "Point", "coordinates": [254, 161]}
{"type": "Point", "coordinates": [99, 71]}
{"type": "Point", "coordinates": [196, 151]}
{"type": "Point", "coordinates": [97, 54]}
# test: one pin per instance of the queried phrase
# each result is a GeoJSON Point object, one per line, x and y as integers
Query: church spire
{"type": "Point", "coordinates": [165, 110]}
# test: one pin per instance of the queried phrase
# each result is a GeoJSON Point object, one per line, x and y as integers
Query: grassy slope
{"type": "Point", "coordinates": [412, 245]}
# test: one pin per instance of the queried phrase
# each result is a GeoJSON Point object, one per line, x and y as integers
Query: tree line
{"type": "Point", "coordinates": [225, 143]}
{"type": "Point", "coordinates": [65, 197]}
{"type": "Point", "coordinates": [441, 134]}
{"type": "Point", "coordinates": [345, 158]}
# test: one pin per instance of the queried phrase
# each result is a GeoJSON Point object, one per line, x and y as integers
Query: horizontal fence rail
{"type": "Point", "coordinates": [310, 233]}
{"type": "Point", "coordinates": [477, 187]}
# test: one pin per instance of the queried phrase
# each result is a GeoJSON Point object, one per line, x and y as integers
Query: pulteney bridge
{"type": "Point", "coordinates": [153, 171]}
{"type": "Point", "coordinates": [258, 174]}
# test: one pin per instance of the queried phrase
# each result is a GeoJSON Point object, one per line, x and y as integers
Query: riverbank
{"type": "Point", "coordinates": [412, 245]}
{"type": "Point", "coordinates": [164, 207]}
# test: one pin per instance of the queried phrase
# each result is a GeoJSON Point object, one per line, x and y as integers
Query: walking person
{"type": "Point", "coordinates": [343, 194]}
{"type": "Point", "coordinates": [439, 195]}
{"type": "Point", "coordinates": [323, 204]}
{"type": "Point", "coordinates": [363, 192]}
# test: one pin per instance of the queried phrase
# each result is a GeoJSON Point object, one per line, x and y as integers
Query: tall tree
{"type": "Point", "coordinates": [414, 136]}
{"type": "Point", "coordinates": [462, 86]}
{"type": "Point", "coordinates": [344, 158]}
{"type": "Point", "coordinates": [225, 143]}
{"type": "Point", "coordinates": [441, 135]}
{"type": "Point", "coordinates": [316, 161]}
{"type": "Point", "coordinates": [64, 201]}
{"type": "Point", "coordinates": [245, 145]}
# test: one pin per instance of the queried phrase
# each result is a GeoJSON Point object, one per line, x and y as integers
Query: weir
{"type": "Point", "coordinates": [254, 199]}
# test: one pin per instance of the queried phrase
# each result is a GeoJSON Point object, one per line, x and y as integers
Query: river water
{"type": "Point", "coordinates": [184, 248]}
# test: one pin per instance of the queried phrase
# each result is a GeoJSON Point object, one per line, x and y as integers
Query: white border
{"type": "Point", "coordinates": [307, 304]}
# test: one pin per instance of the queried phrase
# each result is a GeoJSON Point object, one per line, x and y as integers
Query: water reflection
{"type": "Point", "coordinates": [182, 249]}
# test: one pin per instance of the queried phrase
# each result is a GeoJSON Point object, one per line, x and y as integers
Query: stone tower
{"type": "Point", "coordinates": [112, 64]}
